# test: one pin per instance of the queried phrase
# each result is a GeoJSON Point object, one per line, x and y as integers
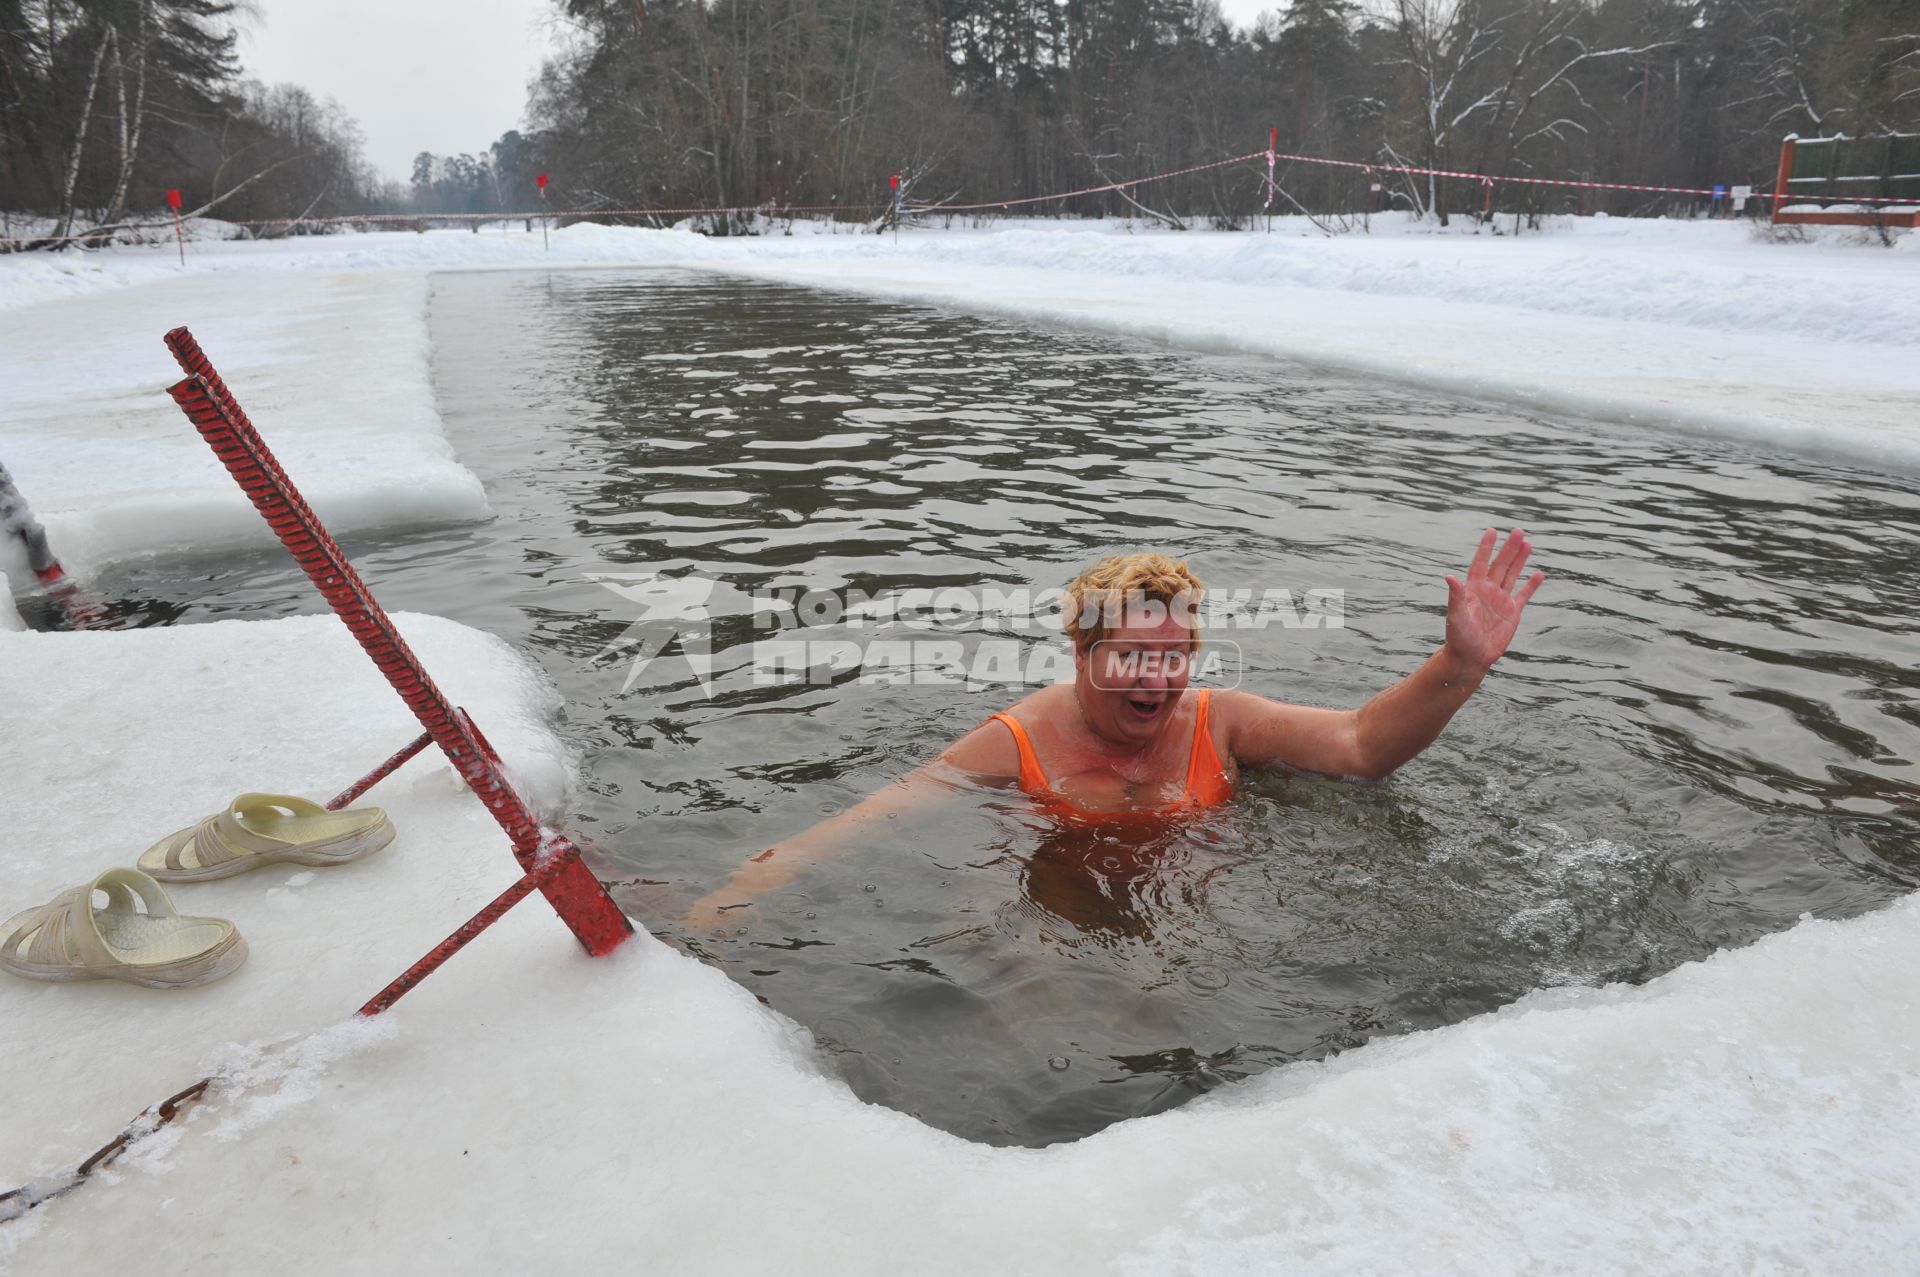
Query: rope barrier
{"type": "Point", "coordinates": [1496, 178]}
{"type": "Point", "coordinates": [405, 219]}
{"type": "Point", "coordinates": [1087, 190]}
{"type": "Point", "coordinates": [769, 210]}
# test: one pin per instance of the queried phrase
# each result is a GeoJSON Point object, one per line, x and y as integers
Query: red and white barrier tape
{"type": "Point", "coordinates": [401, 219]}
{"type": "Point", "coordinates": [1085, 190]}
{"type": "Point", "coordinates": [1569, 182]}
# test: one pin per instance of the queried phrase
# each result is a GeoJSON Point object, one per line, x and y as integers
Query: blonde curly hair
{"type": "Point", "coordinates": [1097, 601]}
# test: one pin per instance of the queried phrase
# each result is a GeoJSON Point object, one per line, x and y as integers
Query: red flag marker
{"type": "Point", "coordinates": [179, 236]}
{"type": "Point", "coordinates": [540, 180]}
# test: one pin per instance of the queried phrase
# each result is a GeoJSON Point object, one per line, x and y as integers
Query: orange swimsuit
{"type": "Point", "coordinates": [1207, 782]}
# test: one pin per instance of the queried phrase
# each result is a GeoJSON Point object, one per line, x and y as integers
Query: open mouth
{"type": "Point", "coordinates": [1145, 708]}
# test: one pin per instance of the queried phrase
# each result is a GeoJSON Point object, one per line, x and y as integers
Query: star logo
{"type": "Point", "coordinates": [670, 608]}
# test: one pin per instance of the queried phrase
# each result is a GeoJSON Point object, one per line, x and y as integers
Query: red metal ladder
{"type": "Point", "coordinates": [549, 861]}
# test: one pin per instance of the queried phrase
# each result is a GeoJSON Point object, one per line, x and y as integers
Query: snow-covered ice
{"type": "Point", "coordinates": [334, 366]}
{"type": "Point", "coordinates": [530, 1109]}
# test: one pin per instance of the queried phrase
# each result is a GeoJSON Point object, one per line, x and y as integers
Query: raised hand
{"type": "Point", "coordinates": [1484, 610]}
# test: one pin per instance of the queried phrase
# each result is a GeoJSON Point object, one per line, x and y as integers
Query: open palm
{"type": "Point", "coordinates": [1484, 610]}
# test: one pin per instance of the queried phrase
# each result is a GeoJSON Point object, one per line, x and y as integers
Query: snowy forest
{"type": "Point", "coordinates": [817, 101]}
{"type": "Point", "coordinates": [756, 103]}
{"type": "Point", "coordinates": [105, 104]}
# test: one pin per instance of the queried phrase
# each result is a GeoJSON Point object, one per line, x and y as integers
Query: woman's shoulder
{"type": "Point", "coordinates": [1040, 705]}
{"type": "Point", "coordinates": [989, 750]}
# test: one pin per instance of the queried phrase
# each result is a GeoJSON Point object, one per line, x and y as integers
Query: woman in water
{"type": "Point", "coordinates": [1127, 739]}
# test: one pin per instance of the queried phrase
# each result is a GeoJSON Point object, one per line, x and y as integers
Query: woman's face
{"type": "Point", "coordinates": [1129, 682]}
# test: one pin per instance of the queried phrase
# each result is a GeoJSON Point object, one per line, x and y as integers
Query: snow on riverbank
{"type": "Point", "coordinates": [529, 1109]}
{"type": "Point", "coordinates": [335, 367]}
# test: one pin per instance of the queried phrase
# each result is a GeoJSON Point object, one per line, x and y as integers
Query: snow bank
{"type": "Point", "coordinates": [1702, 326]}
{"type": "Point", "coordinates": [529, 1109]}
{"type": "Point", "coordinates": [115, 738]}
{"type": "Point", "coordinates": [333, 367]}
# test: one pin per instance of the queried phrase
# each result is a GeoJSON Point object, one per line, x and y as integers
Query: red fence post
{"type": "Point", "coordinates": [1784, 176]}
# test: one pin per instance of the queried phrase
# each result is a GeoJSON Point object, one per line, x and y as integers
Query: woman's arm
{"type": "Point", "coordinates": [1369, 742]}
{"type": "Point", "coordinates": [986, 754]}
{"type": "Point", "coordinates": [1483, 614]}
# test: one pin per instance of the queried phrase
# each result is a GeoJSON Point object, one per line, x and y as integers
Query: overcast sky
{"type": "Point", "coordinates": [420, 75]}
{"type": "Point", "coordinates": [446, 76]}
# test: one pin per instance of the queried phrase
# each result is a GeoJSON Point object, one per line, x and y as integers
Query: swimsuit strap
{"type": "Point", "coordinates": [1032, 779]}
{"type": "Point", "coordinates": [1206, 774]}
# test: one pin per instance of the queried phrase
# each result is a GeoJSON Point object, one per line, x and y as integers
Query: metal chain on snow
{"type": "Point", "coordinates": [17, 1202]}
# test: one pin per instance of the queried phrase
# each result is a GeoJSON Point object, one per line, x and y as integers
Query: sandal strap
{"type": "Point", "coordinates": [221, 837]}
{"type": "Point", "coordinates": [250, 803]}
{"type": "Point", "coordinates": [64, 931]}
{"type": "Point", "coordinates": [202, 839]}
{"type": "Point", "coordinates": [176, 843]}
{"type": "Point", "coordinates": [212, 842]}
{"type": "Point", "coordinates": [122, 885]}
{"type": "Point", "coordinates": [51, 924]}
{"type": "Point", "coordinates": [224, 837]}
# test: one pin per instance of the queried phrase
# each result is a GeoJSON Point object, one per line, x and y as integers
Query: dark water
{"type": "Point", "coordinates": [1709, 725]}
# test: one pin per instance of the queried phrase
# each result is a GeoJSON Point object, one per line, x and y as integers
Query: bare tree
{"type": "Point", "coordinates": [131, 117]}
{"type": "Point", "coordinates": [83, 123]}
{"type": "Point", "coordinates": [774, 105]}
{"type": "Point", "coordinates": [1441, 45]}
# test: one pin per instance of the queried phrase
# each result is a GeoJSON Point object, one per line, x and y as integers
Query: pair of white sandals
{"type": "Point", "coordinates": [139, 937]}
